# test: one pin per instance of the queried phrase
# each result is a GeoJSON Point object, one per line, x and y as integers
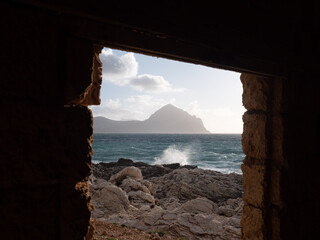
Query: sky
{"type": "Point", "coordinates": [135, 86]}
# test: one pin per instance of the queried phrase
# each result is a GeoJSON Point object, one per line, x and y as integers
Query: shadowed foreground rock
{"type": "Point", "coordinates": [183, 201]}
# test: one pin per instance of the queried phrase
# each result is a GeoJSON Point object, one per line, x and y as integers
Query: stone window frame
{"type": "Point", "coordinates": [261, 143]}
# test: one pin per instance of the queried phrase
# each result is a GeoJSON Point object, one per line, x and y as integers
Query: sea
{"type": "Point", "coordinates": [219, 152]}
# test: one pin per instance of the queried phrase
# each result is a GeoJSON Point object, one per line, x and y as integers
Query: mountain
{"type": "Point", "coordinates": [168, 119]}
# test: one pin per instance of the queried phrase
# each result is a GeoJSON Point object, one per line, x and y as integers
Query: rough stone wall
{"type": "Point", "coordinates": [300, 179]}
{"type": "Point", "coordinates": [46, 133]}
{"type": "Point", "coordinates": [50, 72]}
{"type": "Point", "coordinates": [255, 144]}
{"type": "Point", "coordinates": [280, 140]}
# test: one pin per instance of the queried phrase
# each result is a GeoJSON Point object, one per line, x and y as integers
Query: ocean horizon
{"type": "Point", "coordinates": [219, 152]}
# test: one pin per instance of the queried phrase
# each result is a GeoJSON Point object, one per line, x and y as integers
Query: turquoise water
{"type": "Point", "coordinates": [220, 152]}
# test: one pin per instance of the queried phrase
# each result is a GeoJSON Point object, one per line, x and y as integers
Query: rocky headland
{"type": "Point", "coordinates": [168, 119]}
{"type": "Point", "coordinates": [183, 201]}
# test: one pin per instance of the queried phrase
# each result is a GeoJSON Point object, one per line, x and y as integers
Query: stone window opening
{"type": "Point", "coordinates": [261, 142]}
{"type": "Point", "coordinates": [221, 210]}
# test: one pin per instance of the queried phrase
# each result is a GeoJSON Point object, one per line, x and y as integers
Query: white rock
{"type": "Point", "coordinates": [132, 172]}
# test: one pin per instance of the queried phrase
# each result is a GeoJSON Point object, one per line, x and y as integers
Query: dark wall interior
{"type": "Point", "coordinates": [51, 72]}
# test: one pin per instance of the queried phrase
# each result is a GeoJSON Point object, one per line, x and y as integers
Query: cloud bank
{"type": "Point", "coordinates": [137, 107]}
{"type": "Point", "coordinates": [115, 69]}
{"type": "Point", "coordinates": [123, 70]}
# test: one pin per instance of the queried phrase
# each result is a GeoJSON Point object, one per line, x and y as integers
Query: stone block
{"type": "Point", "coordinates": [83, 72]}
{"type": "Point", "coordinates": [252, 223]}
{"type": "Point", "coordinates": [30, 212]}
{"type": "Point", "coordinates": [275, 187]}
{"type": "Point", "coordinates": [76, 210]}
{"type": "Point", "coordinates": [275, 224]}
{"type": "Point", "coordinates": [42, 144]}
{"type": "Point", "coordinates": [277, 140]}
{"type": "Point", "coordinates": [254, 139]}
{"type": "Point", "coordinates": [256, 92]}
{"type": "Point", "coordinates": [92, 94]}
{"type": "Point", "coordinates": [254, 185]}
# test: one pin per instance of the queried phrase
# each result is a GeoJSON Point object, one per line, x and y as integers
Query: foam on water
{"type": "Point", "coordinates": [96, 161]}
{"type": "Point", "coordinates": [174, 154]}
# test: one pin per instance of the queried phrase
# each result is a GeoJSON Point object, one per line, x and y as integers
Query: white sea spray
{"type": "Point", "coordinates": [175, 154]}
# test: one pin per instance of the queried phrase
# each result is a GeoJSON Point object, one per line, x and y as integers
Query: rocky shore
{"type": "Point", "coordinates": [183, 201]}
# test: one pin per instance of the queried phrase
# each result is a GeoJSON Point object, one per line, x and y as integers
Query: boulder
{"type": "Point", "coordinates": [199, 205]}
{"type": "Point", "coordinates": [129, 184]}
{"type": "Point", "coordinates": [125, 162]}
{"type": "Point", "coordinates": [131, 172]}
{"type": "Point", "coordinates": [107, 198]}
{"type": "Point", "coordinates": [186, 202]}
{"type": "Point", "coordinates": [139, 199]}
{"type": "Point", "coordinates": [185, 185]}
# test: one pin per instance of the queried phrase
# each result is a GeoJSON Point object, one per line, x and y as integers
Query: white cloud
{"type": "Point", "coordinates": [112, 109]}
{"type": "Point", "coordinates": [152, 84]}
{"type": "Point", "coordinates": [112, 104]}
{"type": "Point", "coordinates": [117, 69]}
{"type": "Point", "coordinates": [217, 120]}
{"type": "Point", "coordinates": [142, 101]}
{"type": "Point", "coordinates": [139, 99]}
{"type": "Point", "coordinates": [138, 107]}
{"type": "Point", "coordinates": [122, 71]}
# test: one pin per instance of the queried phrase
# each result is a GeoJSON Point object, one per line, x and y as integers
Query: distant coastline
{"type": "Point", "coordinates": [167, 120]}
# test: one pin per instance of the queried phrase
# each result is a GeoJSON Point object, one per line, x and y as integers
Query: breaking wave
{"type": "Point", "coordinates": [174, 154]}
